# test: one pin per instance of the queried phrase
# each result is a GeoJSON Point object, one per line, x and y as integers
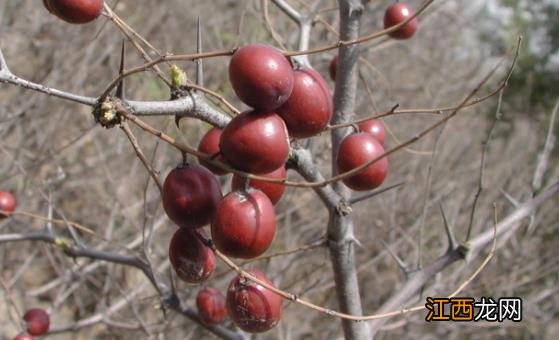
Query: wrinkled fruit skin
{"type": "Point", "coordinates": [375, 127]}
{"type": "Point", "coordinates": [244, 224]}
{"type": "Point", "coordinates": [252, 307]}
{"type": "Point", "coordinates": [355, 150]}
{"type": "Point", "coordinates": [37, 320]}
{"type": "Point", "coordinates": [192, 260]}
{"type": "Point", "coordinates": [396, 14]}
{"type": "Point", "coordinates": [255, 142]}
{"type": "Point", "coordinates": [309, 107]}
{"type": "Point", "coordinates": [190, 195]}
{"type": "Point", "coordinates": [75, 11]}
{"type": "Point", "coordinates": [211, 306]}
{"type": "Point", "coordinates": [24, 336]}
{"type": "Point", "coordinates": [209, 144]}
{"type": "Point", "coordinates": [7, 202]}
{"type": "Point", "coordinates": [274, 191]}
{"type": "Point", "coordinates": [332, 68]}
{"type": "Point", "coordinates": [261, 76]}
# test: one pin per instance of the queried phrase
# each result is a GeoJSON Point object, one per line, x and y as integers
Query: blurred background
{"type": "Point", "coordinates": [52, 151]}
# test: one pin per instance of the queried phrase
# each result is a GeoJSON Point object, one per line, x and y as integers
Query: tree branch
{"type": "Point", "coordinates": [471, 250]}
{"type": "Point", "coordinates": [340, 226]}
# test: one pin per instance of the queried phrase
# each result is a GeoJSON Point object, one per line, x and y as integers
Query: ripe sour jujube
{"type": "Point", "coordinates": [211, 306]}
{"type": "Point", "coordinates": [356, 150]}
{"type": "Point", "coordinates": [398, 13]}
{"type": "Point", "coordinates": [252, 307]}
{"type": "Point", "coordinates": [309, 107]}
{"type": "Point", "coordinates": [255, 142]}
{"type": "Point", "coordinates": [261, 76]}
{"type": "Point", "coordinates": [75, 11]}
{"type": "Point", "coordinates": [332, 67]}
{"type": "Point", "coordinates": [38, 321]}
{"type": "Point", "coordinates": [375, 127]}
{"type": "Point", "coordinates": [274, 191]}
{"type": "Point", "coordinates": [244, 224]}
{"type": "Point", "coordinates": [191, 259]}
{"type": "Point", "coordinates": [190, 195]}
{"type": "Point", "coordinates": [209, 144]}
{"type": "Point", "coordinates": [7, 203]}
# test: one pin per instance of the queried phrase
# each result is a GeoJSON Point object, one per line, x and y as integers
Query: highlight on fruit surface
{"type": "Point", "coordinates": [252, 307]}
{"type": "Point", "coordinates": [75, 11]}
{"type": "Point", "coordinates": [211, 306]}
{"type": "Point", "coordinates": [274, 191]}
{"type": "Point", "coordinates": [375, 127]}
{"type": "Point", "coordinates": [190, 195]}
{"type": "Point", "coordinates": [244, 224]}
{"type": "Point", "coordinates": [261, 76]}
{"type": "Point", "coordinates": [7, 203]}
{"type": "Point", "coordinates": [255, 142]}
{"type": "Point", "coordinates": [190, 258]}
{"type": "Point", "coordinates": [398, 13]}
{"type": "Point", "coordinates": [38, 321]}
{"type": "Point", "coordinates": [309, 108]}
{"type": "Point", "coordinates": [355, 150]}
{"type": "Point", "coordinates": [209, 144]}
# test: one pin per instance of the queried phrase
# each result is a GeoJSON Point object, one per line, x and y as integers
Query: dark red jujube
{"type": "Point", "coordinates": [244, 224]}
{"type": "Point", "coordinates": [255, 142]}
{"type": "Point", "coordinates": [356, 150]}
{"type": "Point", "coordinates": [252, 307]}
{"type": "Point", "coordinates": [309, 107]}
{"type": "Point", "coordinates": [190, 195]}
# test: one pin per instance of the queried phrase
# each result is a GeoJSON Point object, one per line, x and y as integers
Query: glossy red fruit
{"type": "Point", "coordinates": [255, 142]}
{"type": "Point", "coordinates": [24, 336]}
{"type": "Point", "coordinates": [192, 260]}
{"type": "Point", "coordinates": [355, 150]}
{"type": "Point", "coordinates": [309, 107]}
{"type": "Point", "coordinates": [244, 224]}
{"type": "Point", "coordinates": [274, 191]}
{"type": "Point", "coordinates": [261, 76]}
{"type": "Point", "coordinates": [209, 144]}
{"type": "Point", "coordinates": [7, 203]}
{"type": "Point", "coordinates": [190, 195]}
{"type": "Point", "coordinates": [75, 11]}
{"type": "Point", "coordinates": [396, 14]}
{"type": "Point", "coordinates": [211, 306]}
{"type": "Point", "coordinates": [332, 68]}
{"type": "Point", "coordinates": [375, 127]}
{"type": "Point", "coordinates": [37, 320]}
{"type": "Point", "coordinates": [252, 307]}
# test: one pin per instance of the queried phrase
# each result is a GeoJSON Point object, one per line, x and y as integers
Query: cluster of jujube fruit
{"type": "Point", "coordinates": [284, 103]}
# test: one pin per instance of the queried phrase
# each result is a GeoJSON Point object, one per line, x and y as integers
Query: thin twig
{"type": "Point", "coordinates": [138, 150]}
{"type": "Point", "coordinates": [484, 152]}
{"type": "Point", "coordinates": [543, 158]}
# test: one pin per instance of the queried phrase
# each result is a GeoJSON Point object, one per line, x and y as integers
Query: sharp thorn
{"type": "Point", "coordinates": [120, 87]}
{"type": "Point", "coordinates": [401, 264]}
{"type": "Point", "coordinates": [452, 244]}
